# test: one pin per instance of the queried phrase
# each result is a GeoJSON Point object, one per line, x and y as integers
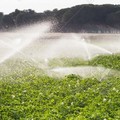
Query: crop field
{"type": "Point", "coordinates": [30, 93]}
{"type": "Point", "coordinates": [59, 76]}
{"type": "Point", "coordinates": [59, 63]}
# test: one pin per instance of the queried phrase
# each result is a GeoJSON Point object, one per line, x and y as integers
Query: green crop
{"type": "Point", "coordinates": [33, 95]}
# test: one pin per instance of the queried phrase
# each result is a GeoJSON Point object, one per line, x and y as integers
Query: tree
{"type": "Point", "coordinates": [7, 21]}
{"type": "Point", "coordinates": [113, 19]}
{"type": "Point", "coordinates": [1, 17]}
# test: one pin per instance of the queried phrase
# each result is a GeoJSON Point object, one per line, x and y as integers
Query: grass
{"type": "Point", "coordinates": [32, 96]}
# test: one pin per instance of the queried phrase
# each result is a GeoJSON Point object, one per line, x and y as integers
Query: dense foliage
{"type": "Point", "coordinates": [35, 97]}
{"type": "Point", "coordinates": [70, 98]}
{"type": "Point", "coordinates": [109, 61]}
{"type": "Point", "coordinates": [80, 18]}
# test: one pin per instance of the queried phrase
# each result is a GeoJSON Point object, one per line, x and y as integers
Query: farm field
{"type": "Point", "coordinates": [59, 76]}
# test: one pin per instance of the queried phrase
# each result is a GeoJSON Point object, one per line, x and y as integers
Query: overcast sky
{"type": "Point", "coordinates": [8, 6]}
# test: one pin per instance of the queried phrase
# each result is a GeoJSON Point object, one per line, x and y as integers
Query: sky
{"type": "Point", "coordinates": [7, 6]}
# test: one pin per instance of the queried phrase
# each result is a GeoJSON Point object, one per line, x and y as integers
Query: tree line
{"type": "Point", "coordinates": [80, 18]}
